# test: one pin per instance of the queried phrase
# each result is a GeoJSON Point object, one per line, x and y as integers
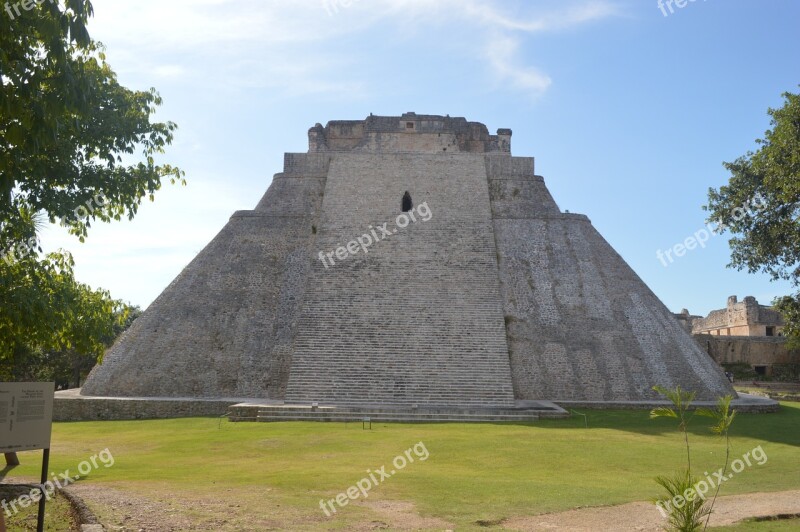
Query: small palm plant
{"type": "Point", "coordinates": [693, 508]}
{"type": "Point", "coordinates": [688, 515]}
{"type": "Point", "coordinates": [685, 514]}
{"type": "Point", "coordinates": [723, 415]}
{"type": "Point", "coordinates": [681, 400]}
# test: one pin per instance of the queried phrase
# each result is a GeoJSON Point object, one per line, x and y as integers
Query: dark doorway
{"type": "Point", "coordinates": [407, 204]}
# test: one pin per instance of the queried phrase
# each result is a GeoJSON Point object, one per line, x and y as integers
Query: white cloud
{"type": "Point", "coordinates": [295, 46]}
{"type": "Point", "coordinates": [551, 21]}
{"type": "Point", "coordinates": [170, 71]}
{"type": "Point", "coordinates": [501, 53]}
{"type": "Point", "coordinates": [249, 51]}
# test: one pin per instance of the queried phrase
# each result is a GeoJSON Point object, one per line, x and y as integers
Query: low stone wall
{"type": "Point", "coordinates": [742, 355]}
{"type": "Point", "coordinates": [753, 350]}
{"type": "Point", "coordinates": [69, 406]}
{"type": "Point", "coordinates": [749, 404]}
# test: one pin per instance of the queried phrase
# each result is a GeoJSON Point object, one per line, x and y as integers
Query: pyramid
{"type": "Point", "coordinates": [407, 260]}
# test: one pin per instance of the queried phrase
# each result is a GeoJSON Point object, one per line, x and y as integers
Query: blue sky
{"type": "Point", "coordinates": [628, 112]}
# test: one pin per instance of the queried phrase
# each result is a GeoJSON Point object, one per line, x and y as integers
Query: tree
{"type": "Point", "coordinates": [66, 367]}
{"type": "Point", "coordinates": [69, 139]}
{"type": "Point", "coordinates": [760, 206]}
{"type": "Point", "coordinates": [43, 308]}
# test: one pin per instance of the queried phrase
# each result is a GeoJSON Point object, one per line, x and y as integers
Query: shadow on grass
{"type": "Point", "coordinates": [780, 427]}
{"type": "Point", "coordinates": [5, 471]}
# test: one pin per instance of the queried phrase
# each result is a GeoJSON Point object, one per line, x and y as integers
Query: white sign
{"type": "Point", "coordinates": [26, 415]}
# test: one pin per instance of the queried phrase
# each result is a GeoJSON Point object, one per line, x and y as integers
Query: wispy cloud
{"type": "Point", "coordinates": [506, 33]}
{"type": "Point", "coordinates": [212, 58]}
{"type": "Point", "coordinates": [295, 46]}
{"type": "Point", "coordinates": [566, 17]}
{"type": "Point", "coordinates": [502, 52]}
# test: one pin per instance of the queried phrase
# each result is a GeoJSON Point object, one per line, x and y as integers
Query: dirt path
{"type": "Point", "coordinates": [123, 511]}
{"type": "Point", "coordinates": [646, 517]}
{"type": "Point", "coordinates": [398, 515]}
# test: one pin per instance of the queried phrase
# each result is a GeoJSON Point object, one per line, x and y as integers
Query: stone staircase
{"type": "Point", "coordinates": [418, 319]}
{"type": "Point", "coordinates": [384, 414]}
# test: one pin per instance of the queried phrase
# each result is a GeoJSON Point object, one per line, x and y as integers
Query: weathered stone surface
{"type": "Point", "coordinates": [498, 296]}
{"type": "Point", "coordinates": [739, 318]}
{"type": "Point", "coordinates": [70, 406]}
{"type": "Point", "coordinates": [582, 325]}
{"type": "Point", "coordinates": [224, 326]}
{"type": "Point", "coordinates": [418, 317]}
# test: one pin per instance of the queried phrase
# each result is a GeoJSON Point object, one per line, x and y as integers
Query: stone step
{"type": "Point", "coordinates": [400, 418]}
{"type": "Point", "coordinates": [395, 325]}
{"type": "Point", "coordinates": [393, 413]}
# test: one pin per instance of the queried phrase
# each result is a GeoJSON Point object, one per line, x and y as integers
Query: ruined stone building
{"type": "Point", "coordinates": [473, 290]}
{"type": "Point", "coordinates": [745, 318]}
{"type": "Point", "coordinates": [745, 333]}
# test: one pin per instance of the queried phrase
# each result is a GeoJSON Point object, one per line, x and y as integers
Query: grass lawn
{"type": "Point", "coordinates": [787, 525]}
{"type": "Point", "coordinates": [278, 472]}
{"type": "Point", "coordinates": [58, 517]}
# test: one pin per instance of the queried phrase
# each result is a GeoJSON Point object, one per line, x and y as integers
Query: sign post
{"type": "Point", "coordinates": [26, 422]}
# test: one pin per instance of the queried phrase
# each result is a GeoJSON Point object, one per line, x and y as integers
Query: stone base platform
{"type": "Point", "coordinates": [746, 403]}
{"type": "Point", "coordinates": [524, 411]}
{"type": "Point", "coordinates": [69, 405]}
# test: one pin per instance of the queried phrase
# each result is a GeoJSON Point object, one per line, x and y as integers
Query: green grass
{"type": "Point", "coordinates": [474, 472]}
{"type": "Point", "coordinates": [58, 517]}
{"type": "Point", "coordinates": [785, 525]}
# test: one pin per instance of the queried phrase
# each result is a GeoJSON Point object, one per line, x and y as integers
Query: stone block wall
{"type": "Point", "coordinates": [755, 351]}
{"type": "Point", "coordinates": [739, 318]}
{"type": "Point", "coordinates": [497, 297]}
{"type": "Point", "coordinates": [225, 325]}
{"type": "Point", "coordinates": [582, 326]}
{"type": "Point", "coordinates": [407, 133]}
{"type": "Point", "coordinates": [418, 318]}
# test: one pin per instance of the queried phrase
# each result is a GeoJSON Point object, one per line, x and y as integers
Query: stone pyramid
{"type": "Point", "coordinates": [475, 290]}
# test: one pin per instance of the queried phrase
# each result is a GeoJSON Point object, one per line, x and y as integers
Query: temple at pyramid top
{"type": "Point", "coordinates": [408, 133]}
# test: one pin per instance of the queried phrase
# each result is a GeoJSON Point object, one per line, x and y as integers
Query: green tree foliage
{"type": "Point", "coordinates": [66, 124]}
{"type": "Point", "coordinates": [43, 308]}
{"type": "Point", "coordinates": [66, 367]}
{"type": "Point", "coordinates": [760, 206]}
{"type": "Point", "coordinates": [789, 306]}
{"type": "Point", "coordinates": [75, 147]}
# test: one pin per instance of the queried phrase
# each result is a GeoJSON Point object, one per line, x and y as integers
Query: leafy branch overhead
{"type": "Point", "coordinates": [75, 147]}
{"type": "Point", "coordinates": [767, 239]}
{"type": "Point", "coordinates": [68, 130]}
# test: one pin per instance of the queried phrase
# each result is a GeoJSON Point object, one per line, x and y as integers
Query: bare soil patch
{"type": "Point", "coordinates": [646, 517]}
